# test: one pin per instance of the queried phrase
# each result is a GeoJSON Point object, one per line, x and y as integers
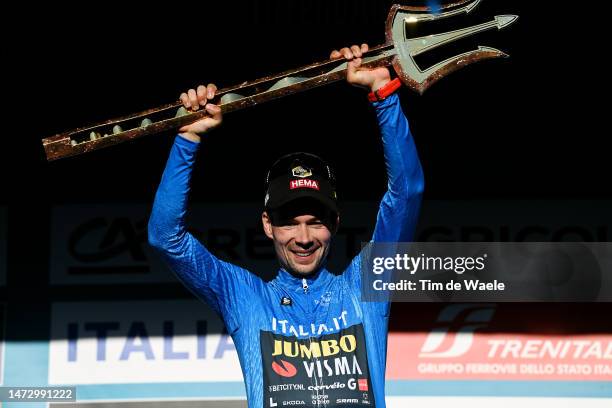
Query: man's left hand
{"type": "Point", "coordinates": [372, 79]}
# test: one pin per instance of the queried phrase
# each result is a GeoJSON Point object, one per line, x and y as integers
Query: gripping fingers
{"type": "Point", "coordinates": [193, 99]}
{"type": "Point", "coordinates": [356, 50]}
{"type": "Point", "coordinates": [214, 111]}
{"type": "Point", "coordinates": [346, 53]}
{"type": "Point", "coordinates": [206, 123]}
{"type": "Point", "coordinates": [201, 92]}
{"type": "Point", "coordinates": [211, 90]}
{"type": "Point", "coordinates": [335, 54]}
{"type": "Point", "coordinates": [185, 100]}
{"type": "Point", "coordinates": [192, 95]}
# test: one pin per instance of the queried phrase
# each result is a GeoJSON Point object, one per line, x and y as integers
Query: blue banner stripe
{"type": "Point", "coordinates": [585, 389]}
{"type": "Point", "coordinates": [163, 390]}
{"type": "Point", "coordinates": [393, 388]}
{"type": "Point", "coordinates": [26, 363]}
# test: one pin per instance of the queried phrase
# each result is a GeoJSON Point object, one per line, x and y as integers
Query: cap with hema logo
{"type": "Point", "coordinates": [297, 176]}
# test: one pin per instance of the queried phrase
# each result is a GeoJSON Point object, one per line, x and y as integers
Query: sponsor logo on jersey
{"type": "Point", "coordinates": [315, 349]}
{"type": "Point", "coordinates": [320, 369]}
{"type": "Point", "coordinates": [284, 368]}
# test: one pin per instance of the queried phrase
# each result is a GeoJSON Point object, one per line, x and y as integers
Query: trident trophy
{"type": "Point", "coordinates": [398, 51]}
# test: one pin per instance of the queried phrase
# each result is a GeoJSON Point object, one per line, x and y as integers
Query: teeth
{"type": "Point", "coordinates": [303, 254]}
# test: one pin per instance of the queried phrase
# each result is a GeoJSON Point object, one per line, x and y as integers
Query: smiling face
{"type": "Point", "coordinates": [301, 242]}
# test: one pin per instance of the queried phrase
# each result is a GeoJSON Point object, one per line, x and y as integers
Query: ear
{"type": "Point", "coordinates": [267, 224]}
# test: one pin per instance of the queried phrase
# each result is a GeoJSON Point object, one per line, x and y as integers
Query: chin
{"type": "Point", "coordinates": [305, 270]}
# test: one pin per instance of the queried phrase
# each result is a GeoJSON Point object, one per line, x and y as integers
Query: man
{"type": "Point", "coordinates": [304, 338]}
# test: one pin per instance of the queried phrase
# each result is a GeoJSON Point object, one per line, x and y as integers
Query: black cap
{"type": "Point", "coordinates": [299, 176]}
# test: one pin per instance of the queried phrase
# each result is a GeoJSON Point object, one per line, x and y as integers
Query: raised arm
{"type": "Point", "coordinates": [218, 283]}
{"type": "Point", "coordinates": [399, 208]}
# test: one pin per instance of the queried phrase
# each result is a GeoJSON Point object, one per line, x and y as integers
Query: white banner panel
{"type": "Point", "coordinates": [139, 342]}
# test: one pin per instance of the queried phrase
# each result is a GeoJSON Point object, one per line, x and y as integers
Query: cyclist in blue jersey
{"type": "Point", "coordinates": [305, 338]}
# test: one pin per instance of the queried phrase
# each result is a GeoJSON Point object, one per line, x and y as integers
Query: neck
{"type": "Point", "coordinates": [310, 276]}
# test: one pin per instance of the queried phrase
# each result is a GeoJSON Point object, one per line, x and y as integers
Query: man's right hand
{"type": "Point", "coordinates": [193, 100]}
{"type": "Point", "coordinates": [371, 79]}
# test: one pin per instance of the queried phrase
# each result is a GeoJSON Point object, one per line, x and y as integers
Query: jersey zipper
{"type": "Point", "coordinates": [314, 380]}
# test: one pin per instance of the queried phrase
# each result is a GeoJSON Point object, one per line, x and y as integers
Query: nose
{"type": "Point", "coordinates": [302, 236]}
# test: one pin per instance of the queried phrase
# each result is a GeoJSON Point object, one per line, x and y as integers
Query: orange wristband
{"type": "Point", "coordinates": [384, 92]}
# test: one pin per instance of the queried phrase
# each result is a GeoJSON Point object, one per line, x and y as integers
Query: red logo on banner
{"type": "Point", "coordinates": [284, 369]}
{"type": "Point", "coordinates": [469, 342]}
{"type": "Point", "coordinates": [363, 384]}
{"type": "Point", "coordinates": [304, 184]}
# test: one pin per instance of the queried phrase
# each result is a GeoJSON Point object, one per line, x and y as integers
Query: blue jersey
{"type": "Point", "coordinates": [306, 342]}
